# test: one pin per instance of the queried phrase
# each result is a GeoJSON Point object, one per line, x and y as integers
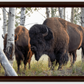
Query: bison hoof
{"type": "Point", "coordinates": [60, 68]}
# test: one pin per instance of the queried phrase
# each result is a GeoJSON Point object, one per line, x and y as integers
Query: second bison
{"type": "Point", "coordinates": [22, 46]}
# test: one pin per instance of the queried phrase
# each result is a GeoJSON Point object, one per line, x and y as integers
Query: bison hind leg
{"type": "Point", "coordinates": [18, 64]}
{"type": "Point", "coordinates": [82, 54]}
{"type": "Point", "coordinates": [74, 58]}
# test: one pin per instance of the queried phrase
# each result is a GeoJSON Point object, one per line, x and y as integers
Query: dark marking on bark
{"type": "Point", "coordinates": [10, 39]}
{"type": "Point", "coordinates": [9, 52]}
{"type": "Point", "coordinates": [2, 36]}
{"type": "Point", "coordinates": [12, 35]}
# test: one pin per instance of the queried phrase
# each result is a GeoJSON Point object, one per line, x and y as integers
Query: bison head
{"type": "Point", "coordinates": [40, 37]}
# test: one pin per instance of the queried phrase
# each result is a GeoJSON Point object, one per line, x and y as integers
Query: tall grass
{"type": "Point", "coordinates": [41, 68]}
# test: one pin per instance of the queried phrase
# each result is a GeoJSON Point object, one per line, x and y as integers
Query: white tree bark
{"type": "Point", "coordinates": [64, 13]}
{"type": "Point", "coordinates": [82, 17]}
{"type": "Point", "coordinates": [6, 65]}
{"type": "Point", "coordinates": [10, 47]}
{"type": "Point", "coordinates": [4, 22]}
{"type": "Point", "coordinates": [22, 19]}
{"type": "Point", "coordinates": [61, 12]}
{"type": "Point", "coordinates": [52, 12]}
{"type": "Point", "coordinates": [10, 36]}
{"type": "Point", "coordinates": [72, 15]}
{"type": "Point", "coordinates": [82, 24]}
{"type": "Point", "coordinates": [47, 12]}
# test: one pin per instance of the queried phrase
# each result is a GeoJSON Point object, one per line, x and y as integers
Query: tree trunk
{"type": "Point", "coordinates": [4, 22]}
{"type": "Point", "coordinates": [61, 12]}
{"type": "Point", "coordinates": [10, 47]}
{"type": "Point", "coordinates": [64, 13]}
{"type": "Point", "coordinates": [47, 12]}
{"type": "Point", "coordinates": [22, 19]}
{"type": "Point", "coordinates": [82, 17]}
{"type": "Point", "coordinates": [10, 36]}
{"type": "Point", "coordinates": [52, 12]}
{"type": "Point", "coordinates": [6, 65]}
{"type": "Point", "coordinates": [82, 24]}
{"type": "Point", "coordinates": [72, 15]}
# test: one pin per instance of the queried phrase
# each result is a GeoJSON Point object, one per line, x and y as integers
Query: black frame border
{"type": "Point", "coordinates": [42, 78]}
{"type": "Point", "coordinates": [41, 4]}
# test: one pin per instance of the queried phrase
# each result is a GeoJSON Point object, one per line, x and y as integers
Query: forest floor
{"type": "Point", "coordinates": [41, 68]}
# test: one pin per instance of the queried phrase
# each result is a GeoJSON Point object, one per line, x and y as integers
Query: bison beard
{"type": "Point", "coordinates": [50, 40]}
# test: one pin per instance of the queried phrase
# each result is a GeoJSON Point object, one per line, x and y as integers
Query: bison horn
{"type": "Point", "coordinates": [45, 34]}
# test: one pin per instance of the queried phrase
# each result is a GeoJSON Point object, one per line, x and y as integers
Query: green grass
{"type": "Point", "coordinates": [41, 68]}
{"type": "Point", "coordinates": [1, 71]}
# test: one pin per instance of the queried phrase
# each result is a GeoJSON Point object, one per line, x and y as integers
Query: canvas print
{"type": "Point", "coordinates": [42, 41]}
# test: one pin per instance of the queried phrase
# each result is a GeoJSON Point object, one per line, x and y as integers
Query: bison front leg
{"type": "Point", "coordinates": [60, 66]}
{"type": "Point", "coordinates": [18, 64]}
{"type": "Point", "coordinates": [52, 60]}
{"type": "Point", "coordinates": [24, 66]}
{"type": "Point", "coordinates": [52, 65]}
{"type": "Point", "coordinates": [49, 63]}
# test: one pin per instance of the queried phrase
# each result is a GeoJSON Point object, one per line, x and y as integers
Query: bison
{"type": "Point", "coordinates": [76, 37]}
{"type": "Point", "coordinates": [51, 39]}
{"type": "Point", "coordinates": [22, 46]}
{"type": "Point", "coordinates": [56, 38]}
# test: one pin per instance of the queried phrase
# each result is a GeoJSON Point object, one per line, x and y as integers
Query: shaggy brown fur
{"type": "Point", "coordinates": [22, 46]}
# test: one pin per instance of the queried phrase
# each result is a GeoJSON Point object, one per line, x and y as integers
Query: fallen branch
{"type": "Point", "coordinates": [6, 65]}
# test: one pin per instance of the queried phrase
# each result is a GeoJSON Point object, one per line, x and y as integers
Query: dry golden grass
{"type": "Point", "coordinates": [41, 68]}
